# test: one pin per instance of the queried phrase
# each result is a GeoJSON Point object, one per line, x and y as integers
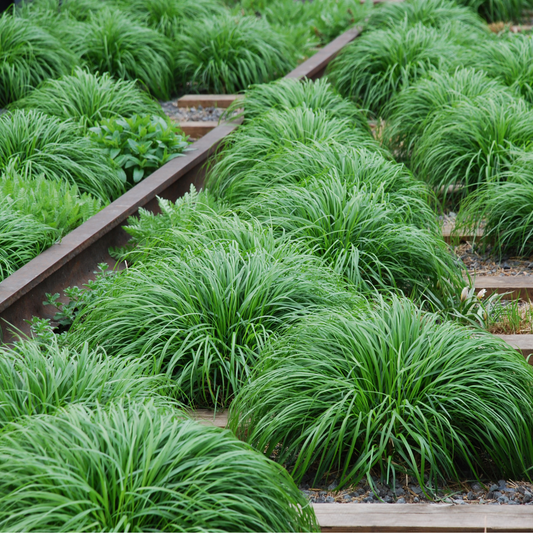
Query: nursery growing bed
{"type": "Point", "coordinates": [74, 260]}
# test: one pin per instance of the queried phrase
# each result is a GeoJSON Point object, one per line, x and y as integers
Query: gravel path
{"type": "Point", "coordinates": [489, 493]}
{"type": "Point", "coordinates": [485, 265]}
{"type": "Point", "coordinates": [191, 114]}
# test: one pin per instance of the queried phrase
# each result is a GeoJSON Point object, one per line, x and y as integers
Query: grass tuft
{"type": "Point", "coordinates": [286, 94]}
{"type": "Point", "coordinates": [38, 378]}
{"type": "Point", "coordinates": [380, 63]}
{"type": "Point", "coordinates": [268, 135]}
{"type": "Point", "coordinates": [89, 98]}
{"type": "Point", "coordinates": [413, 108]}
{"type": "Point", "coordinates": [509, 60]}
{"type": "Point", "coordinates": [472, 142]}
{"type": "Point", "coordinates": [434, 13]}
{"type": "Point", "coordinates": [363, 237]}
{"type": "Point", "coordinates": [202, 312]}
{"type": "Point", "coordinates": [22, 237]}
{"type": "Point", "coordinates": [503, 210]}
{"type": "Point", "coordinates": [33, 143]}
{"type": "Point", "coordinates": [227, 54]}
{"type": "Point", "coordinates": [499, 10]}
{"type": "Point", "coordinates": [391, 390]}
{"type": "Point", "coordinates": [137, 467]}
{"type": "Point", "coordinates": [28, 56]}
{"type": "Point", "coordinates": [113, 42]}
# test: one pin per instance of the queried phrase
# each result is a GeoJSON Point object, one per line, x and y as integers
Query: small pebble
{"type": "Point", "coordinates": [476, 487]}
{"type": "Point", "coordinates": [471, 496]}
{"type": "Point", "coordinates": [502, 483]}
{"type": "Point", "coordinates": [333, 485]}
{"type": "Point", "coordinates": [416, 499]}
{"type": "Point", "coordinates": [503, 499]}
{"type": "Point", "coordinates": [400, 500]}
{"type": "Point", "coordinates": [330, 499]}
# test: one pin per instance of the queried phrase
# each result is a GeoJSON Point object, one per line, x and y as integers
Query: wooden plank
{"type": "Point", "coordinates": [315, 66]}
{"type": "Point", "coordinates": [517, 286]}
{"type": "Point", "coordinates": [522, 343]}
{"type": "Point", "coordinates": [196, 130]}
{"type": "Point", "coordinates": [207, 100]}
{"type": "Point", "coordinates": [427, 518]}
{"type": "Point", "coordinates": [210, 418]}
{"type": "Point", "coordinates": [448, 228]}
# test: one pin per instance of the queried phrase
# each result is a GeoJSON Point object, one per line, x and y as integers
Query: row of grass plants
{"type": "Point", "coordinates": [79, 83]}
{"type": "Point", "coordinates": [306, 288]}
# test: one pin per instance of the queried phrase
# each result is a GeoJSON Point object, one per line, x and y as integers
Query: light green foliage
{"type": "Point", "coordinates": [394, 391]}
{"type": "Point", "coordinates": [40, 378]}
{"type": "Point", "coordinates": [22, 237]}
{"type": "Point", "coordinates": [322, 19]}
{"type": "Point", "coordinates": [509, 60]}
{"type": "Point", "coordinates": [503, 210]}
{"type": "Point", "coordinates": [137, 467]}
{"type": "Point", "coordinates": [267, 135]}
{"type": "Point", "coordinates": [57, 204]}
{"type": "Point", "coordinates": [497, 10]}
{"type": "Point", "coordinates": [33, 143]}
{"type": "Point", "coordinates": [89, 98]}
{"type": "Point", "coordinates": [363, 237]}
{"type": "Point", "coordinates": [359, 167]}
{"type": "Point", "coordinates": [434, 13]}
{"type": "Point", "coordinates": [62, 10]}
{"type": "Point", "coordinates": [139, 144]}
{"type": "Point", "coordinates": [113, 42]}
{"type": "Point", "coordinates": [202, 313]}
{"type": "Point", "coordinates": [170, 16]}
{"type": "Point", "coordinates": [472, 142]}
{"type": "Point", "coordinates": [413, 109]}
{"type": "Point", "coordinates": [28, 55]}
{"type": "Point", "coordinates": [289, 93]}
{"type": "Point", "coordinates": [226, 54]}
{"type": "Point", "coordinates": [380, 63]}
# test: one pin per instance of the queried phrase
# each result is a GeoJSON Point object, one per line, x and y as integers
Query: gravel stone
{"type": "Point", "coordinates": [399, 491]}
{"type": "Point", "coordinates": [330, 499]}
{"type": "Point", "coordinates": [400, 500]}
{"type": "Point", "coordinates": [471, 496]}
{"type": "Point", "coordinates": [503, 499]}
{"type": "Point", "coordinates": [493, 487]}
{"type": "Point", "coordinates": [476, 487]}
{"type": "Point", "coordinates": [416, 499]}
{"type": "Point", "coordinates": [502, 483]}
{"type": "Point", "coordinates": [347, 497]}
{"type": "Point", "coordinates": [333, 485]}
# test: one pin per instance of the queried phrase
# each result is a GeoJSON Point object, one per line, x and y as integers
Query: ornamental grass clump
{"type": "Point", "coordinates": [140, 467]}
{"type": "Point", "coordinates": [202, 313]}
{"type": "Point", "coordinates": [170, 16]}
{"type": "Point", "coordinates": [359, 167]}
{"type": "Point", "coordinates": [22, 237]}
{"type": "Point", "coordinates": [380, 63]}
{"type": "Point", "coordinates": [34, 144]}
{"type": "Point", "coordinates": [289, 93]}
{"type": "Point", "coordinates": [226, 54]}
{"type": "Point", "coordinates": [28, 56]}
{"type": "Point", "coordinates": [62, 10]}
{"type": "Point", "coordinates": [472, 142]}
{"type": "Point", "coordinates": [363, 237]}
{"type": "Point", "coordinates": [413, 108]}
{"type": "Point", "coordinates": [509, 60]}
{"type": "Point", "coordinates": [267, 135]}
{"type": "Point", "coordinates": [90, 98]}
{"type": "Point", "coordinates": [503, 211]}
{"type": "Point", "coordinates": [434, 13]}
{"type": "Point", "coordinates": [393, 391]}
{"type": "Point", "coordinates": [499, 10]}
{"type": "Point", "coordinates": [113, 42]}
{"type": "Point", "coordinates": [57, 204]}
{"type": "Point", "coordinates": [40, 378]}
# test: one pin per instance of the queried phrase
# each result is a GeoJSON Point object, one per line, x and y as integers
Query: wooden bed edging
{"type": "Point", "coordinates": [427, 518]}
